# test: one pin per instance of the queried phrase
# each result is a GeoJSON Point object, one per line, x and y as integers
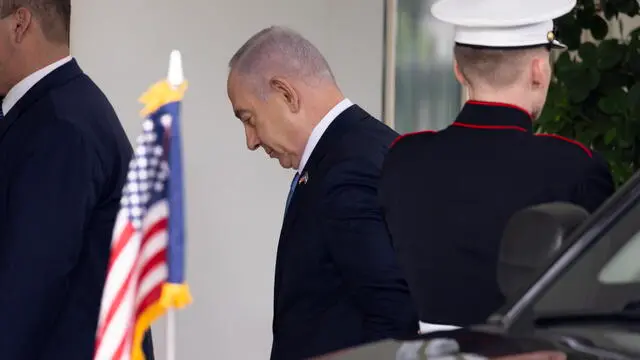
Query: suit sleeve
{"type": "Point", "coordinates": [596, 186]}
{"type": "Point", "coordinates": [49, 198]}
{"type": "Point", "coordinates": [361, 248]}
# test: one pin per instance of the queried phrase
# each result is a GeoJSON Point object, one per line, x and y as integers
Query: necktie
{"type": "Point", "coordinates": [292, 188]}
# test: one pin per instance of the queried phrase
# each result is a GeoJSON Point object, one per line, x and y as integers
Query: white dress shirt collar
{"type": "Point", "coordinates": [320, 128]}
{"type": "Point", "coordinates": [21, 88]}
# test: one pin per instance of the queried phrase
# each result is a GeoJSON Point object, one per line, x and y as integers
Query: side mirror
{"type": "Point", "coordinates": [532, 237]}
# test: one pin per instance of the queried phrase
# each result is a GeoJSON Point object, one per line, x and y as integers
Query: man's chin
{"type": "Point", "coordinates": [286, 164]}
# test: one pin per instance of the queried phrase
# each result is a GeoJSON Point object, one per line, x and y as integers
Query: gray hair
{"type": "Point", "coordinates": [280, 51]}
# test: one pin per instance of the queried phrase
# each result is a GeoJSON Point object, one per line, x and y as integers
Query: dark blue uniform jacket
{"type": "Point", "coordinates": [448, 195]}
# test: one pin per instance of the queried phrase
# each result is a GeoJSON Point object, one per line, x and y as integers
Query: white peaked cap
{"type": "Point", "coordinates": [503, 23]}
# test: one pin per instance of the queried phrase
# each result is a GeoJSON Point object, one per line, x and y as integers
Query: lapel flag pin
{"type": "Point", "coordinates": [303, 179]}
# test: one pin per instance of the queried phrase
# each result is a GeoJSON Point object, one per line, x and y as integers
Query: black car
{"type": "Point", "coordinates": [572, 283]}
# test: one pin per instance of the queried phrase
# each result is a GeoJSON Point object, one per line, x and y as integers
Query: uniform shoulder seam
{"type": "Point", "coordinates": [571, 141]}
{"type": "Point", "coordinates": [411, 134]}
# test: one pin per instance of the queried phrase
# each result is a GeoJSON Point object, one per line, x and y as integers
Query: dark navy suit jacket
{"type": "Point", "coordinates": [337, 282]}
{"type": "Point", "coordinates": [63, 162]}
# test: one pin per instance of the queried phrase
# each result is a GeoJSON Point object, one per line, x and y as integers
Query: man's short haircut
{"type": "Point", "coordinates": [280, 51]}
{"type": "Point", "coordinates": [53, 15]}
{"type": "Point", "coordinates": [496, 68]}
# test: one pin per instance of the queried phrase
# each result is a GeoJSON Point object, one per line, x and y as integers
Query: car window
{"type": "Point", "coordinates": [630, 341]}
{"type": "Point", "coordinates": [606, 277]}
{"type": "Point", "coordinates": [624, 266]}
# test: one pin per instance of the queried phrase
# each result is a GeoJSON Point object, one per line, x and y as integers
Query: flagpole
{"type": "Point", "coordinates": [171, 334]}
{"type": "Point", "coordinates": [175, 77]}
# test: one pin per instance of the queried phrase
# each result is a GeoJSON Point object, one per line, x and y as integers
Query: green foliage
{"type": "Point", "coordinates": [595, 96]}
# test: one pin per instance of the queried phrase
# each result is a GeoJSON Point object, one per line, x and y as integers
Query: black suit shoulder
{"type": "Point", "coordinates": [98, 122]}
{"type": "Point", "coordinates": [361, 137]}
{"type": "Point", "coordinates": [365, 131]}
{"type": "Point", "coordinates": [95, 125]}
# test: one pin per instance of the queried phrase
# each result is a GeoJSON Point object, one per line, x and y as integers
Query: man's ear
{"type": "Point", "coordinates": [22, 19]}
{"type": "Point", "coordinates": [458, 73]}
{"type": "Point", "coordinates": [540, 72]}
{"type": "Point", "coordinates": [288, 93]}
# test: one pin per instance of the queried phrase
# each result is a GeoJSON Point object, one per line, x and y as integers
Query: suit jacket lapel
{"type": "Point", "coordinates": [290, 214]}
{"type": "Point", "coordinates": [294, 204]}
{"type": "Point", "coordinates": [54, 79]}
{"type": "Point", "coordinates": [323, 147]}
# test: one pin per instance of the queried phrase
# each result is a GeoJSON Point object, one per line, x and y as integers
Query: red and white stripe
{"type": "Point", "coordinates": [135, 275]}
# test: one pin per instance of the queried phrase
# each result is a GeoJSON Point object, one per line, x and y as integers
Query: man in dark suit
{"type": "Point", "coordinates": [337, 283]}
{"type": "Point", "coordinates": [448, 195]}
{"type": "Point", "coordinates": [63, 162]}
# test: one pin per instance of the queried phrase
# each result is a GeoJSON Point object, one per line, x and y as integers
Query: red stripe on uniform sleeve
{"type": "Point", "coordinates": [586, 149]}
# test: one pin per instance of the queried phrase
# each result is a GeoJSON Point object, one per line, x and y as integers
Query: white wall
{"type": "Point", "coordinates": [234, 198]}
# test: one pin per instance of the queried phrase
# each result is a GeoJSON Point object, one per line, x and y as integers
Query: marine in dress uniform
{"type": "Point", "coordinates": [448, 195]}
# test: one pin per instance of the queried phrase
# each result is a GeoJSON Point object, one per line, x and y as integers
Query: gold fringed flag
{"type": "Point", "coordinates": [145, 276]}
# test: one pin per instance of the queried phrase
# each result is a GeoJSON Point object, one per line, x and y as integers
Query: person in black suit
{"type": "Point", "coordinates": [337, 283]}
{"type": "Point", "coordinates": [448, 195]}
{"type": "Point", "coordinates": [63, 162]}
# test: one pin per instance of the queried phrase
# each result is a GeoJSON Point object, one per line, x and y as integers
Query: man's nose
{"type": "Point", "coordinates": [252, 139]}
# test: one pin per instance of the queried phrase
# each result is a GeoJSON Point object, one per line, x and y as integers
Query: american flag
{"type": "Point", "coordinates": [145, 273]}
